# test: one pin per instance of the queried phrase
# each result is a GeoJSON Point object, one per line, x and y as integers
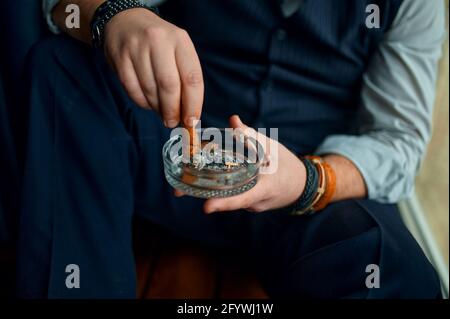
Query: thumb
{"type": "Point", "coordinates": [235, 122]}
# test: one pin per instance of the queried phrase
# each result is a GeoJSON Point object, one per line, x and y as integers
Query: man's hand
{"type": "Point", "coordinates": [157, 64]}
{"type": "Point", "coordinates": [273, 190]}
{"type": "Point", "coordinates": [286, 183]}
{"type": "Point", "coordinates": [155, 60]}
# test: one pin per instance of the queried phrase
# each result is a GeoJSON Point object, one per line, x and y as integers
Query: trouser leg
{"type": "Point", "coordinates": [337, 253]}
{"type": "Point", "coordinates": [80, 169]}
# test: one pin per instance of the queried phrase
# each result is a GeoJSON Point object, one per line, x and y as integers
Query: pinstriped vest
{"type": "Point", "coordinates": [301, 73]}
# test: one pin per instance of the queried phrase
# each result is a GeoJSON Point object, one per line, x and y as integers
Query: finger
{"type": "Point", "coordinates": [242, 201]}
{"type": "Point", "coordinates": [168, 82]}
{"type": "Point", "coordinates": [192, 87]}
{"type": "Point", "coordinates": [144, 72]}
{"type": "Point", "coordinates": [264, 145]}
{"type": "Point", "coordinates": [178, 193]}
{"type": "Point", "coordinates": [235, 122]}
{"type": "Point", "coordinates": [130, 82]}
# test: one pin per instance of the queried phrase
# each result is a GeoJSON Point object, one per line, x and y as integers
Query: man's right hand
{"type": "Point", "coordinates": [157, 64]}
{"type": "Point", "coordinates": [156, 61]}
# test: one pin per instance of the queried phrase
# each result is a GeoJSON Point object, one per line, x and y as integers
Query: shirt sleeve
{"type": "Point", "coordinates": [397, 99]}
{"type": "Point", "coordinates": [49, 5]}
{"type": "Point", "coordinates": [47, 8]}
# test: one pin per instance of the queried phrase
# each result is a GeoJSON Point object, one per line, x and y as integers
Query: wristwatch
{"type": "Point", "coordinates": [106, 11]}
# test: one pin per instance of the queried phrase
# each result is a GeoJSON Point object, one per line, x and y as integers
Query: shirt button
{"type": "Point", "coordinates": [281, 34]}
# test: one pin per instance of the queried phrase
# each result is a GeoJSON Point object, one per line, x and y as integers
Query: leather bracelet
{"type": "Point", "coordinates": [322, 179]}
{"type": "Point", "coordinates": [323, 189]}
{"type": "Point", "coordinates": [309, 192]}
{"type": "Point", "coordinates": [329, 190]}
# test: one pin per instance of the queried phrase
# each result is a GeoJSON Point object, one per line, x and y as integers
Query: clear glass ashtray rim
{"type": "Point", "coordinates": [241, 175]}
{"type": "Point", "coordinates": [169, 143]}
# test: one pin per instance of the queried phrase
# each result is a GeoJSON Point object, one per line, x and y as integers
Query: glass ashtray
{"type": "Point", "coordinates": [226, 164]}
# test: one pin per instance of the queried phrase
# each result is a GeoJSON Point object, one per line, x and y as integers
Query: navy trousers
{"type": "Point", "coordinates": [93, 160]}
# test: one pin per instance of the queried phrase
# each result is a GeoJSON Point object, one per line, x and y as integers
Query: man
{"type": "Point", "coordinates": [332, 81]}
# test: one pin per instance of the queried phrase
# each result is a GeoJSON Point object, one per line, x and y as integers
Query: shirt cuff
{"type": "Point", "coordinates": [385, 178]}
{"type": "Point", "coordinates": [47, 8]}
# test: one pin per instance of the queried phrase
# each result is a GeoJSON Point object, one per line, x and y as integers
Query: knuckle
{"type": "Point", "coordinates": [155, 33]}
{"type": "Point", "coordinates": [170, 113]}
{"type": "Point", "coordinates": [194, 78]}
{"type": "Point", "coordinates": [182, 34]}
{"type": "Point", "coordinates": [169, 83]}
{"type": "Point", "coordinates": [132, 41]}
{"type": "Point", "coordinates": [149, 89]}
{"type": "Point", "coordinates": [122, 54]}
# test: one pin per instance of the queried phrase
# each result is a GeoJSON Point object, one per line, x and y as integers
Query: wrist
{"type": "Point", "coordinates": [121, 20]}
{"type": "Point", "coordinates": [109, 10]}
{"type": "Point", "coordinates": [350, 182]}
{"type": "Point", "coordinates": [300, 181]}
{"type": "Point", "coordinates": [320, 186]}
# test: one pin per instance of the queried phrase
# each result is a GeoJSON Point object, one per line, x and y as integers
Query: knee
{"type": "Point", "coordinates": [54, 54]}
{"type": "Point", "coordinates": [41, 57]}
{"type": "Point", "coordinates": [329, 253]}
{"type": "Point", "coordinates": [61, 70]}
{"type": "Point", "coordinates": [337, 223]}
{"type": "Point", "coordinates": [40, 70]}
{"type": "Point", "coordinates": [358, 249]}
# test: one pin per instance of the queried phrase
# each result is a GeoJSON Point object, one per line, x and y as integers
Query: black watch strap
{"type": "Point", "coordinates": [106, 11]}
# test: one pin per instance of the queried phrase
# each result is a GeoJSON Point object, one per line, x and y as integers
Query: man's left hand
{"type": "Point", "coordinates": [278, 188]}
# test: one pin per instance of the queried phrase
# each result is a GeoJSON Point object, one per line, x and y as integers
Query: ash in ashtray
{"type": "Point", "coordinates": [212, 158]}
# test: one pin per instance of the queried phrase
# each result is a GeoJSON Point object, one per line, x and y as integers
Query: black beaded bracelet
{"type": "Point", "coordinates": [107, 11]}
{"type": "Point", "coordinates": [310, 190]}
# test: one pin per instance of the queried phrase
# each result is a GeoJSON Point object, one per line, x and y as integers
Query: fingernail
{"type": "Point", "coordinates": [191, 121]}
{"type": "Point", "coordinates": [170, 123]}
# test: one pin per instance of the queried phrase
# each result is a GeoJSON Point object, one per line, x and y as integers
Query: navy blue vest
{"type": "Point", "coordinates": [301, 74]}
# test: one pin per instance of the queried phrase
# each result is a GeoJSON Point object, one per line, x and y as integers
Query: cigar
{"type": "Point", "coordinates": [194, 149]}
{"type": "Point", "coordinates": [194, 142]}
{"type": "Point", "coordinates": [188, 178]}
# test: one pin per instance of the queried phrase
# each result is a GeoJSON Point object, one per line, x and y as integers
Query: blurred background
{"type": "Point", "coordinates": [432, 185]}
